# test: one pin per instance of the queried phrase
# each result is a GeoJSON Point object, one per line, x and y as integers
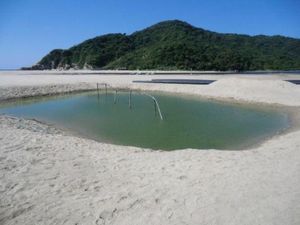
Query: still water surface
{"type": "Point", "coordinates": [189, 122]}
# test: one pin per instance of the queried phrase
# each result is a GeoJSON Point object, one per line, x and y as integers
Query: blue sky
{"type": "Point", "coordinates": [29, 29]}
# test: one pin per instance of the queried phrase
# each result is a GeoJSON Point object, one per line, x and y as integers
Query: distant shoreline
{"type": "Point", "coordinates": [158, 72]}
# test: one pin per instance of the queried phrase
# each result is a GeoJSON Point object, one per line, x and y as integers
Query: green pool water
{"type": "Point", "coordinates": [189, 122]}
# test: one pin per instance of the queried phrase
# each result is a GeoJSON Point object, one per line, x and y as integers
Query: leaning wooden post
{"type": "Point", "coordinates": [115, 99]}
{"type": "Point", "coordinates": [156, 105]}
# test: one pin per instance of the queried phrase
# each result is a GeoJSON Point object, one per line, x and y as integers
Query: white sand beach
{"type": "Point", "coordinates": [48, 176]}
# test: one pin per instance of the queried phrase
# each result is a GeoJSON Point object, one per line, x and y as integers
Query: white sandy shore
{"type": "Point", "coordinates": [49, 177]}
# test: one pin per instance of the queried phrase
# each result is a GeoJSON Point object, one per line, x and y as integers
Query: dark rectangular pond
{"type": "Point", "coordinates": [188, 122]}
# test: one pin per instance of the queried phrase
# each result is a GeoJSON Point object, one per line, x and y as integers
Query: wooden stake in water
{"type": "Point", "coordinates": [98, 91]}
{"type": "Point", "coordinates": [154, 107]}
{"type": "Point", "coordinates": [130, 99]}
{"type": "Point", "coordinates": [105, 89]}
{"type": "Point", "coordinates": [115, 99]}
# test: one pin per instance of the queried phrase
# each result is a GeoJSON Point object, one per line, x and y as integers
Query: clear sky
{"type": "Point", "coordinates": [29, 29]}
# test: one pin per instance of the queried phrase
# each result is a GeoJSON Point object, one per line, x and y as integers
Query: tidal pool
{"type": "Point", "coordinates": [188, 122]}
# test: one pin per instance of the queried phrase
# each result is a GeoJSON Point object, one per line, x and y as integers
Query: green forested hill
{"type": "Point", "coordinates": [178, 45]}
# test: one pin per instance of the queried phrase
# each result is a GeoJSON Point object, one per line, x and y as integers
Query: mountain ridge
{"type": "Point", "coordinates": [177, 45]}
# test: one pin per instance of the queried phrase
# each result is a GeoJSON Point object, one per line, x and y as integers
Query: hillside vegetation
{"type": "Point", "coordinates": [176, 45]}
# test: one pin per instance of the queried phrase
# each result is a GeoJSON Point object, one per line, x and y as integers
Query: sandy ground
{"type": "Point", "coordinates": [50, 177]}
